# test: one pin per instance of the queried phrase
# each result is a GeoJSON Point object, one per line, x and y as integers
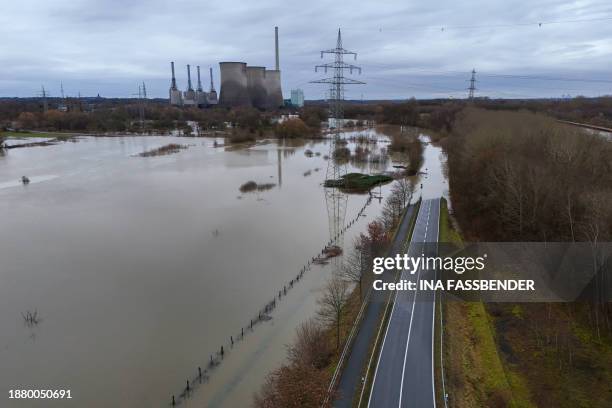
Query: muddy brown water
{"type": "Point", "coordinates": [140, 268]}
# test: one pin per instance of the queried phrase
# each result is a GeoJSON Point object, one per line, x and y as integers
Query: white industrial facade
{"type": "Point", "coordinates": [297, 97]}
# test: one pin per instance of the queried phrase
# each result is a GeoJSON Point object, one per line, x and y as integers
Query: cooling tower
{"type": "Point", "coordinates": [257, 87]}
{"type": "Point", "coordinates": [274, 99]}
{"type": "Point", "coordinates": [234, 84]}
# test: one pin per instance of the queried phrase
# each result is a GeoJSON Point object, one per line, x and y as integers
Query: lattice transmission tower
{"type": "Point", "coordinates": [44, 95]}
{"type": "Point", "coordinates": [472, 87]}
{"type": "Point", "coordinates": [335, 199]}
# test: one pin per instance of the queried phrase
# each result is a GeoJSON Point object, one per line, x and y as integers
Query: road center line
{"type": "Point", "coordinates": [412, 312]}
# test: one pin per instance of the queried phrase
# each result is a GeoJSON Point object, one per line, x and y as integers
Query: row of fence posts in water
{"type": "Point", "coordinates": [203, 375]}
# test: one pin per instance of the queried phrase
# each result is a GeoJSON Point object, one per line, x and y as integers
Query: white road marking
{"type": "Point", "coordinates": [385, 337]}
{"type": "Point", "coordinates": [433, 326]}
{"type": "Point", "coordinates": [411, 318]}
{"type": "Point", "coordinates": [412, 312]}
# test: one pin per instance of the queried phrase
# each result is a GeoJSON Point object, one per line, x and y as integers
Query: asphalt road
{"type": "Point", "coordinates": [350, 382]}
{"type": "Point", "coordinates": [404, 371]}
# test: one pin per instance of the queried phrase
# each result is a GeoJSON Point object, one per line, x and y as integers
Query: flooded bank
{"type": "Point", "coordinates": [141, 267]}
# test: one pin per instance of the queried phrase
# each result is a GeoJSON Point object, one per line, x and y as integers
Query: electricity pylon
{"type": "Point", "coordinates": [335, 199]}
{"type": "Point", "coordinates": [472, 87]}
{"type": "Point", "coordinates": [44, 95]}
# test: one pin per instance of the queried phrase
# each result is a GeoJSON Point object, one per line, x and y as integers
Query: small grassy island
{"type": "Point", "coordinates": [358, 182]}
{"type": "Point", "coordinates": [164, 150]}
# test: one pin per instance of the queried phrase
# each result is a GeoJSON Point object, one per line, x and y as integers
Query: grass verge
{"type": "Point", "coordinates": [474, 370]}
{"type": "Point", "coordinates": [20, 135]}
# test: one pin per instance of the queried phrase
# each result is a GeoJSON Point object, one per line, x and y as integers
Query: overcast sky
{"type": "Point", "coordinates": [406, 48]}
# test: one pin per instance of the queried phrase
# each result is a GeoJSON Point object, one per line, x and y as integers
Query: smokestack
{"type": "Point", "coordinates": [199, 82]}
{"type": "Point", "coordinates": [173, 86]}
{"type": "Point", "coordinates": [276, 47]}
{"type": "Point", "coordinates": [189, 88]}
{"type": "Point", "coordinates": [212, 86]}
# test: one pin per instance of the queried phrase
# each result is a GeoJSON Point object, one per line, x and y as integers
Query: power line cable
{"type": "Point", "coordinates": [442, 27]}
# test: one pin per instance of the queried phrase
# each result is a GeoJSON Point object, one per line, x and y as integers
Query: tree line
{"type": "Point", "coordinates": [519, 176]}
{"type": "Point", "coordinates": [303, 380]}
{"type": "Point", "coordinates": [99, 115]}
{"type": "Point", "coordinates": [522, 176]}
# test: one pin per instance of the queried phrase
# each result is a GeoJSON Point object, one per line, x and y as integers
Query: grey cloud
{"type": "Point", "coordinates": [421, 49]}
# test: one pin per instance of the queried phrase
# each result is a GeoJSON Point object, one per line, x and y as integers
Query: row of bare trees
{"type": "Point", "coordinates": [303, 380]}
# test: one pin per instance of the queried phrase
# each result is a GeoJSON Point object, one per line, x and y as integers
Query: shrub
{"type": "Point", "coordinates": [292, 128]}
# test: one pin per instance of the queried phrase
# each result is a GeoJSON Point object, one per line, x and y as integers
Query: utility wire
{"type": "Point", "coordinates": [443, 27]}
{"type": "Point", "coordinates": [466, 73]}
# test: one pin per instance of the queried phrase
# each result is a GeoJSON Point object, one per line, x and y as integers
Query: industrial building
{"type": "Point", "coordinates": [191, 97]}
{"type": "Point", "coordinates": [297, 98]}
{"type": "Point", "coordinates": [241, 85]}
{"type": "Point", "coordinates": [176, 97]}
{"type": "Point", "coordinates": [234, 84]}
{"type": "Point", "coordinates": [258, 87]}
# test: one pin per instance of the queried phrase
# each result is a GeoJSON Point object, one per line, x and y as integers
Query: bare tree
{"type": "Point", "coordinates": [355, 266]}
{"type": "Point", "coordinates": [332, 303]}
{"type": "Point", "coordinates": [403, 189]}
{"type": "Point", "coordinates": [595, 231]}
{"type": "Point", "coordinates": [392, 210]}
{"type": "Point", "coordinates": [293, 386]}
{"type": "Point", "coordinates": [302, 381]}
{"type": "Point", "coordinates": [311, 346]}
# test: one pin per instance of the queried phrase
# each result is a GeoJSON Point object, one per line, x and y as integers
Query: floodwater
{"type": "Point", "coordinates": [434, 179]}
{"type": "Point", "coordinates": [141, 268]}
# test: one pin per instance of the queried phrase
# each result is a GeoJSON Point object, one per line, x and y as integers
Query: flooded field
{"type": "Point", "coordinates": [140, 268]}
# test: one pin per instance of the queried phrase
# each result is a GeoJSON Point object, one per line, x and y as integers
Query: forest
{"type": "Point", "coordinates": [522, 176]}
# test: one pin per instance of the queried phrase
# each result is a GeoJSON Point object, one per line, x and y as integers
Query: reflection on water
{"type": "Point", "coordinates": [140, 268]}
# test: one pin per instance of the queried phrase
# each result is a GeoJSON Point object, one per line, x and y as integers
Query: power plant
{"type": "Point", "coordinates": [191, 97]}
{"type": "Point", "coordinates": [212, 95]}
{"type": "Point", "coordinates": [176, 98]}
{"type": "Point", "coordinates": [234, 84]}
{"type": "Point", "coordinates": [241, 85]}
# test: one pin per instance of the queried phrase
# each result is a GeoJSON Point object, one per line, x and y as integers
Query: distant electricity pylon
{"type": "Point", "coordinates": [142, 95]}
{"type": "Point", "coordinates": [44, 95]}
{"type": "Point", "coordinates": [472, 87]}
{"type": "Point", "coordinates": [336, 200]}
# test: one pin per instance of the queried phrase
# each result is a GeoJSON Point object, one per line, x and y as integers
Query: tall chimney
{"type": "Point", "coordinates": [276, 47]}
{"type": "Point", "coordinates": [199, 82]}
{"type": "Point", "coordinates": [189, 88]}
{"type": "Point", "coordinates": [212, 86]}
{"type": "Point", "coordinates": [173, 86]}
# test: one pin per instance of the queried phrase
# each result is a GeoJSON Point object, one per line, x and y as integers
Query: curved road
{"type": "Point", "coordinates": [404, 375]}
